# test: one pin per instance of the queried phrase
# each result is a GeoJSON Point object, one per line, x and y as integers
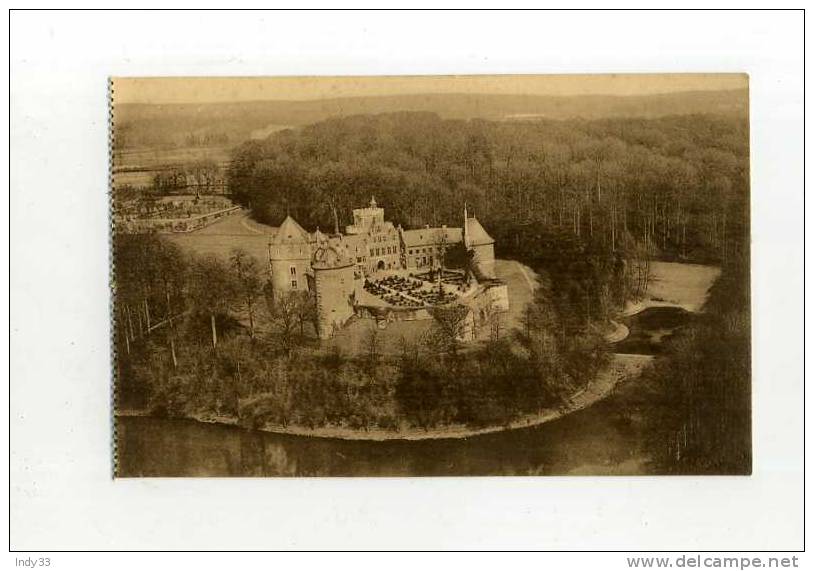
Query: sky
{"type": "Point", "coordinates": [227, 89]}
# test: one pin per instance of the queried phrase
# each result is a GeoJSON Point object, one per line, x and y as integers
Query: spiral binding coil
{"type": "Point", "coordinates": [112, 277]}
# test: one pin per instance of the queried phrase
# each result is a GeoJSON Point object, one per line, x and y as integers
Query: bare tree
{"type": "Point", "coordinates": [204, 173]}
{"type": "Point", "coordinates": [247, 273]}
{"type": "Point", "coordinates": [283, 309]}
{"type": "Point", "coordinates": [373, 348]}
{"type": "Point", "coordinates": [172, 271]}
{"type": "Point", "coordinates": [212, 290]}
{"type": "Point", "coordinates": [449, 325]}
{"type": "Point", "coordinates": [306, 310]}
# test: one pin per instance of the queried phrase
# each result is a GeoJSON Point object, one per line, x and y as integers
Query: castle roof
{"type": "Point", "coordinates": [290, 232]}
{"type": "Point", "coordinates": [330, 256]}
{"type": "Point", "coordinates": [319, 237]}
{"type": "Point", "coordinates": [430, 236]}
{"type": "Point", "coordinates": [476, 234]}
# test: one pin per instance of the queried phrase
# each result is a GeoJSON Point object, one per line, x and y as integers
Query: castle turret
{"type": "Point", "coordinates": [289, 257]}
{"type": "Point", "coordinates": [482, 246]}
{"type": "Point", "coordinates": [366, 219]}
{"type": "Point", "coordinates": [334, 287]}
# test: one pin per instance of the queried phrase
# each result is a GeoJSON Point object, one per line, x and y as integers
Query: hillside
{"type": "Point", "coordinates": [140, 125]}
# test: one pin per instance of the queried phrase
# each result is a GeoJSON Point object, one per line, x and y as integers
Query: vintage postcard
{"type": "Point", "coordinates": [431, 276]}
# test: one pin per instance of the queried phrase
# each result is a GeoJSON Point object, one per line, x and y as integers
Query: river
{"type": "Point", "coordinates": [606, 438]}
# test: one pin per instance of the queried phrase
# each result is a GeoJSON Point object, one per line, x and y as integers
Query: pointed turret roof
{"type": "Point", "coordinates": [319, 237]}
{"type": "Point", "coordinates": [475, 233]}
{"type": "Point", "coordinates": [290, 232]}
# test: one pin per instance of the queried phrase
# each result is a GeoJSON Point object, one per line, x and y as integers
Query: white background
{"type": "Point", "coordinates": [62, 494]}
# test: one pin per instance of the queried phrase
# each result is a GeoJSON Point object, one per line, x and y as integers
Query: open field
{"type": "Point", "coordinates": [136, 167]}
{"type": "Point", "coordinates": [677, 285]}
{"type": "Point", "coordinates": [235, 231]}
{"type": "Point", "coordinates": [153, 158]}
{"type": "Point", "coordinates": [521, 281]}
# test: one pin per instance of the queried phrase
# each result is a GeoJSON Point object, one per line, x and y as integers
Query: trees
{"type": "Point", "coordinates": [305, 310]}
{"type": "Point", "coordinates": [587, 204]}
{"type": "Point", "coordinates": [703, 424]}
{"type": "Point", "coordinates": [149, 278]}
{"type": "Point", "coordinates": [171, 270]}
{"type": "Point", "coordinates": [448, 328]}
{"type": "Point", "coordinates": [288, 311]}
{"type": "Point", "coordinates": [247, 276]}
{"type": "Point", "coordinates": [670, 183]}
{"type": "Point", "coordinates": [204, 174]}
{"type": "Point", "coordinates": [373, 347]}
{"type": "Point", "coordinates": [212, 290]}
{"type": "Point", "coordinates": [169, 182]}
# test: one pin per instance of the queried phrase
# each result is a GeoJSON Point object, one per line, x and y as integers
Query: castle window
{"type": "Point", "coordinates": [293, 271]}
{"type": "Point", "coordinates": [293, 284]}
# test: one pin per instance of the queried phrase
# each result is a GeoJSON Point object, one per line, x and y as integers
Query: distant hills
{"type": "Point", "coordinates": [141, 125]}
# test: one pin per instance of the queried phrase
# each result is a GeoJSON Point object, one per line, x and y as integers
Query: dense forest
{"type": "Point", "coordinates": [700, 394]}
{"type": "Point", "coordinates": [673, 187]}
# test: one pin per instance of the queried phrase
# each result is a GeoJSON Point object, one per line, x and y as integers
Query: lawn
{"type": "Point", "coordinates": [220, 238]}
{"type": "Point", "coordinates": [676, 284]}
{"type": "Point", "coordinates": [521, 282]}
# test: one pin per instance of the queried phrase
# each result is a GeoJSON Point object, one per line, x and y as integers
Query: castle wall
{"type": "Point", "coordinates": [483, 306]}
{"type": "Point", "coordinates": [289, 267]}
{"type": "Point", "coordinates": [485, 259]}
{"type": "Point", "coordinates": [334, 288]}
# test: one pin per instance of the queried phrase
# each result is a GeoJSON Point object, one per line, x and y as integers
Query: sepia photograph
{"type": "Point", "coordinates": [494, 275]}
{"type": "Point", "coordinates": [290, 284]}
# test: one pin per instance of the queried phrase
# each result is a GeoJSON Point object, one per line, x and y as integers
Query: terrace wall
{"type": "Point", "coordinates": [170, 225]}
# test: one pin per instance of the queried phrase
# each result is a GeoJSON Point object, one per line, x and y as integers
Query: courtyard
{"type": "Point", "coordinates": [351, 339]}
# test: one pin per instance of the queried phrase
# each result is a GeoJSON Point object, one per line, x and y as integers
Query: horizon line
{"type": "Point", "coordinates": [236, 89]}
{"type": "Point", "coordinates": [445, 93]}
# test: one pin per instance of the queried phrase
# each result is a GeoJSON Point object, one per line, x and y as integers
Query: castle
{"type": "Point", "coordinates": [334, 267]}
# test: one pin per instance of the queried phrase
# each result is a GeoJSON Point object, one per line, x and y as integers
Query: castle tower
{"type": "Point", "coordinates": [366, 219]}
{"type": "Point", "coordinates": [334, 287]}
{"type": "Point", "coordinates": [482, 245]}
{"type": "Point", "coordinates": [289, 257]}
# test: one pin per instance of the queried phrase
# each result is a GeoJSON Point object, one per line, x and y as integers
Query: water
{"type": "Point", "coordinates": [606, 438]}
{"type": "Point", "coordinates": [650, 328]}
